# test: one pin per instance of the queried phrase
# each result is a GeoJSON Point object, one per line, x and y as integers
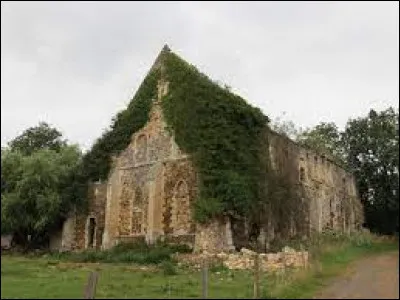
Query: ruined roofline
{"type": "Point", "coordinates": [314, 151]}
{"type": "Point", "coordinates": [158, 63]}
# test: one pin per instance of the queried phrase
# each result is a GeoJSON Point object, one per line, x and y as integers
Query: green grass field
{"type": "Point", "coordinates": [48, 277]}
{"type": "Point", "coordinates": [40, 278]}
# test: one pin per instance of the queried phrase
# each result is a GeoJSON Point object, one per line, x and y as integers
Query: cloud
{"type": "Point", "coordinates": [75, 64]}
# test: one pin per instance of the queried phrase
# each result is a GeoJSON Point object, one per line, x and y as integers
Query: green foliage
{"type": "Point", "coordinates": [38, 137]}
{"type": "Point", "coordinates": [286, 128]}
{"type": "Point", "coordinates": [286, 207]}
{"type": "Point", "coordinates": [96, 162]}
{"type": "Point", "coordinates": [205, 209]}
{"type": "Point", "coordinates": [372, 149]}
{"type": "Point", "coordinates": [139, 253]}
{"type": "Point", "coordinates": [217, 128]}
{"type": "Point", "coordinates": [35, 197]}
{"type": "Point", "coordinates": [221, 132]}
{"type": "Point", "coordinates": [11, 173]}
{"type": "Point", "coordinates": [324, 138]}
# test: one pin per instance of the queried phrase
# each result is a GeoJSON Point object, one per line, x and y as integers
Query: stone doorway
{"type": "Point", "coordinates": [91, 233]}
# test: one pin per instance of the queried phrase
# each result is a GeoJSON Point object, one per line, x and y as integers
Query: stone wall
{"type": "Point", "coordinates": [6, 241]}
{"type": "Point", "coordinates": [64, 240]}
{"type": "Point", "coordinates": [151, 186]}
{"type": "Point", "coordinates": [214, 236]}
{"type": "Point", "coordinates": [68, 234]}
{"type": "Point", "coordinates": [327, 191]}
{"type": "Point", "coordinates": [245, 259]}
{"type": "Point", "coordinates": [112, 209]}
{"type": "Point", "coordinates": [179, 191]}
{"type": "Point", "coordinates": [267, 261]}
{"type": "Point", "coordinates": [96, 210]}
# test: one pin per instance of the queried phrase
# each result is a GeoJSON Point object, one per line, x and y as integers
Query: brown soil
{"type": "Point", "coordinates": [374, 277]}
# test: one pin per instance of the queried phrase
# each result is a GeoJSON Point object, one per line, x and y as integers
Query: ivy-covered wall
{"type": "Point", "coordinates": [97, 162]}
{"type": "Point", "coordinates": [221, 132]}
{"type": "Point", "coordinates": [245, 172]}
{"type": "Point", "coordinates": [218, 129]}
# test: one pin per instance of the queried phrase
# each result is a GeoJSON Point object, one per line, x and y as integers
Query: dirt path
{"type": "Point", "coordinates": [375, 277]}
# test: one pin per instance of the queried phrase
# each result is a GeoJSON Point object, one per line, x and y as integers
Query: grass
{"type": "Point", "coordinates": [52, 277]}
{"type": "Point", "coordinates": [138, 252]}
{"type": "Point", "coordinates": [330, 254]}
{"type": "Point", "coordinates": [40, 278]}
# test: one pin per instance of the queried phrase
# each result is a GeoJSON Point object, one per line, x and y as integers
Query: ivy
{"type": "Point", "coordinates": [97, 161]}
{"type": "Point", "coordinates": [222, 133]}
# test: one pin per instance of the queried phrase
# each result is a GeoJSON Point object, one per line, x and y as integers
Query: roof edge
{"type": "Point", "coordinates": [160, 58]}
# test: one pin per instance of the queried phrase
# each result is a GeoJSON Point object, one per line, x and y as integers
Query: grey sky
{"type": "Point", "coordinates": [75, 64]}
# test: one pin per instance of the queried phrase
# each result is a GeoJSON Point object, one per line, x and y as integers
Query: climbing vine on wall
{"type": "Point", "coordinates": [224, 135]}
{"type": "Point", "coordinates": [221, 132]}
{"type": "Point", "coordinates": [98, 160]}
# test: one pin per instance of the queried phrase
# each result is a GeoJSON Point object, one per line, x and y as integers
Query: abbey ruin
{"type": "Point", "coordinates": [153, 184]}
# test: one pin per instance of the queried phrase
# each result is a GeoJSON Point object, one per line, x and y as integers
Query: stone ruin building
{"type": "Point", "coordinates": [152, 184]}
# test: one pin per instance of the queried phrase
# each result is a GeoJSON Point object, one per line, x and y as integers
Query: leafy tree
{"type": "Point", "coordinates": [324, 138]}
{"type": "Point", "coordinates": [285, 127]}
{"type": "Point", "coordinates": [38, 137]}
{"type": "Point", "coordinates": [36, 196]}
{"type": "Point", "coordinates": [372, 149]}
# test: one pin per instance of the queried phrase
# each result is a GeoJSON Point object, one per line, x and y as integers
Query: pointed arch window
{"type": "Point", "coordinates": [137, 212]}
{"type": "Point", "coordinates": [181, 208]}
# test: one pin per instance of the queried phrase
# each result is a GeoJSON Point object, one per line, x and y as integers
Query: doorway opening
{"type": "Point", "coordinates": [91, 232]}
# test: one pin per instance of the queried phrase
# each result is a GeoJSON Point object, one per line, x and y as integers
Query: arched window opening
{"type": "Point", "coordinates": [137, 212]}
{"type": "Point", "coordinates": [91, 232]}
{"type": "Point", "coordinates": [181, 208]}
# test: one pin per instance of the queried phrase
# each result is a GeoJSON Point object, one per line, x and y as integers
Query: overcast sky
{"type": "Point", "coordinates": [75, 64]}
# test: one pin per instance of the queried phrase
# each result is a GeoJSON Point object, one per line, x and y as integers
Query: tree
{"type": "Point", "coordinates": [372, 151]}
{"type": "Point", "coordinates": [324, 138]}
{"type": "Point", "coordinates": [285, 127]}
{"type": "Point", "coordinates": [41, 136]}
{"type": "Point", "coordinates": [36, 197]}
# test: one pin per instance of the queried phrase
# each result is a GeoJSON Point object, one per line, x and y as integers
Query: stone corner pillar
{"type": "Point", "coordinates": [214, 236]}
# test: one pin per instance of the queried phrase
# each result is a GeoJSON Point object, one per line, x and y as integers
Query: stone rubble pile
{"type": "Point", "coordinates": [245, 259]}
{"type": "Point", "coordinates": [268, 261]}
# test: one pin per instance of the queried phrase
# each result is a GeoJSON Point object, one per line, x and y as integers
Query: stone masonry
{"type": "Point", "coordinates": [153, 184]}
{"type": "Point", "coordinates": [245, 259]}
